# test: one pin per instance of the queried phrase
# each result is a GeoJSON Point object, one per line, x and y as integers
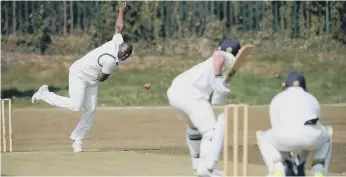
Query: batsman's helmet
{"type": "Point", "coordinates": [294, 79]}
{"type": "Point", "coordinates": [230, 45]}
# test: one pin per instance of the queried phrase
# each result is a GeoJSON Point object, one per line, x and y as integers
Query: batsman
{"type": "Point", "coordinates": [295, 120]}
{"type": "Point", "coordinates": [192, 94]}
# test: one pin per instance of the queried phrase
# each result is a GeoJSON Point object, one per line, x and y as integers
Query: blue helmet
{"type": "Point", "coordinates": [230, 45]}
{"type": "Point", "coordinates": [294, 79]}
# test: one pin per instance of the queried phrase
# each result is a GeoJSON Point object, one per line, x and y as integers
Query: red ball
{"type": "Point", "coordinates": [147, 85]}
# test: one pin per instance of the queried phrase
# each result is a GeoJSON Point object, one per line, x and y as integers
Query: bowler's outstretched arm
{"type": "Point", "coordinates": [119, 25]}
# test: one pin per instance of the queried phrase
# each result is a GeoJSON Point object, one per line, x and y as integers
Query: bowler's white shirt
{"type": "Point", "coordinates": [103, 59]}
{"type": "Point", "coordinates": [201, 76]}
{"type": "Point", "coordinates": [291, 108]}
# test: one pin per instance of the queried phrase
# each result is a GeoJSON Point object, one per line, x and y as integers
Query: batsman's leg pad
{"type": "Point", "coordinates": [217, 141]}
{"type": "Point", "coordinates": [205, 149]}
{"type": "Point", "coordinates": [322, 157]}
{"type": "Point", "coordinates": [193, 140]}
{"type": "Point", "coordinates": [211, 147]}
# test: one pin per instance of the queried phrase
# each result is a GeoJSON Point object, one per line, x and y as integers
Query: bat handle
{"type": "Point", "coordinates": [227, 80]}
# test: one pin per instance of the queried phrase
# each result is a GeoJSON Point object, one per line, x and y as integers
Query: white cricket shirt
{"type": "Point", "coordinates": [201, 76]}
{"type": "Point", "coordinates": [103, 59]}
{"type": "Point", "coordinates": [291, 108]}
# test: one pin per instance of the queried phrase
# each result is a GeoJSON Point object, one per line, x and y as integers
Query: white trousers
{"type": "Point", "coordinates": [274, 142]}
{"type": "Point", "coordinates": [83, 97]}
{"type": "Point", "coordinates": [205, 133]}
{"type": "Point", "coordinates": [196, 108]}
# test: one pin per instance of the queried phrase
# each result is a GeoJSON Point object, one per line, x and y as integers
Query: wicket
{"type": "Point", "coordinates": [235, 138]}
{"type": "Point", "coordinates": [3, 128]}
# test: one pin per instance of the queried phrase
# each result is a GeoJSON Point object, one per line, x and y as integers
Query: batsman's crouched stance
{"type": "Point", "coordinates": [192, 94]}
{"type": "Point", "coordinates": [295, 120]}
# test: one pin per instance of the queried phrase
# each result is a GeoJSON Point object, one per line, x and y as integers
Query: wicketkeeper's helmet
{"type": "Point", "coordinates": [294, 79]}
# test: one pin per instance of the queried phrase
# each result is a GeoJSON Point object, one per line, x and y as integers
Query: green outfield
{"type": "Point", "coordinates": [257, 82]}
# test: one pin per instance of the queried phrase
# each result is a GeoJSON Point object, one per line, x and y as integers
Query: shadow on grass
{"type": "Point", "coordinates": [14, 92]}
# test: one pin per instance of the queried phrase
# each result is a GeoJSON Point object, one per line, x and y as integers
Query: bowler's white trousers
{"type": "Point", "coordinates": [83, 96]}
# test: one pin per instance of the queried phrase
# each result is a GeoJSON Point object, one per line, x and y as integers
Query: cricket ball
{"type": "Point", "coordinates": [147, 86]}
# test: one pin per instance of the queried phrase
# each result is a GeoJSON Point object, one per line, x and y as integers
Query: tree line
{"type": "Point", "coordinates": [154, 20]}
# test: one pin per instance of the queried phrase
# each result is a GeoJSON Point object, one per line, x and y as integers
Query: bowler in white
{"type": "Point", "coordinates": [85, 75]}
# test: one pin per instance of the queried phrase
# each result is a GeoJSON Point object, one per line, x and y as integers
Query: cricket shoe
{"type": "Point", "coordinates": [210, 173]}
{"type": "Point", "coordinates": [278, 173]}
{"type": "Point", "coordinates": [77, 146]}
{"type": "Point", "coordinates": [38, 95]}
{"type": "Point", "coordinates": [216, 173]}
{"type": "Point", "coordinates": [317, 174]}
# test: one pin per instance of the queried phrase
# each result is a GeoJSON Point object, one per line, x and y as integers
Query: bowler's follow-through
{"type": "Point", "coordinates": [85, 75]}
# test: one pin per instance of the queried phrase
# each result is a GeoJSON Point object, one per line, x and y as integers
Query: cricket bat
{"type": "Point", "coordinates": [239, 60]}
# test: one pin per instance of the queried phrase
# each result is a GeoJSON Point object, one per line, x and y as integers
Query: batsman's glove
{"type": "Point", "coordinates": [221, 92]}
{"type": "Point", "coordinates": [219, 86]}
{"type": "Point", "coordinates": [218, 99]}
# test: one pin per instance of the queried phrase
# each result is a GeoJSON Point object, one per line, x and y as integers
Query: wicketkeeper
{"type": "Point", "coordinates": [295, 121]}
{"type": "Point", "coordinates": [193, 93]}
